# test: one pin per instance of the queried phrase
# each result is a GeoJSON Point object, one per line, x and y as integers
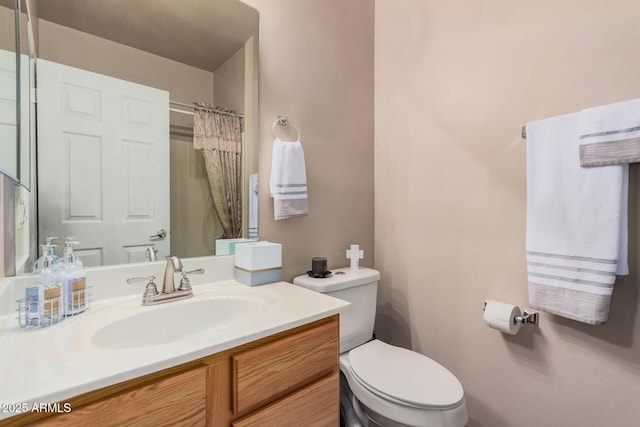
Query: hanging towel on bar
{"type": "Point", "coordinates": [610, 134]}
{"type": "Point", "coordinates": [576, 224]}
{"type": "Point", "coordinates": [288, 183]}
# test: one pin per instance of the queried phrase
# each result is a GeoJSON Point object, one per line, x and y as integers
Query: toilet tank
{"type": "Point", "coordinates": [359, 287]}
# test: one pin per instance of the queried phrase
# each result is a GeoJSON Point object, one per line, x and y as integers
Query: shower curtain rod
{"type": "Point", "coordinates": [177, 110]}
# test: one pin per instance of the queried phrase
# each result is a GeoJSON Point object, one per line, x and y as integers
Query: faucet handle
{"type": "Point", "coordinates": [132, 280]}
{"type": "Point", "coordinates": [185, 283]}
{"type": "Point", "coordinates": [196, 271]}
{"type": "Point", "coordinates": [150, 291]}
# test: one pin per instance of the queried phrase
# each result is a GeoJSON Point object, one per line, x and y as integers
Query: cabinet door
{"type": "Point", "coordinates": [179, 400]}
{"type": "Point", "coordinates": [315, 405]}
{"type": "Point", "coordinates": [275, 369]}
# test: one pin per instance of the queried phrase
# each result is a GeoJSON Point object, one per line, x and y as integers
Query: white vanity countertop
{"type": "Point", "coordinates": [58, 362]}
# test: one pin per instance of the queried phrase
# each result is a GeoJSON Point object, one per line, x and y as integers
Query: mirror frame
{"type": "Point", "coordinates": [13, 171]}
{"type": "Point", "coordinates": [14, 193]}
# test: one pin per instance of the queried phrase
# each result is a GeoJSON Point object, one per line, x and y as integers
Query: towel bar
{"type": "Point", "coordinates": [284, 121]}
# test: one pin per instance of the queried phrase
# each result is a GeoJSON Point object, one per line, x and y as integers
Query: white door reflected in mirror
{"type": "Point", "coordinates": [104, 145]}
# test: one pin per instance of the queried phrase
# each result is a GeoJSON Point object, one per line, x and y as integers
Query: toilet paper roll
{"type": "Point", "coordinates": [501, 316]}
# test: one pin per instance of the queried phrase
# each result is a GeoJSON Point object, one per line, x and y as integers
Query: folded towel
{"type": "Point", "coordinates": [288, 183]}
{"type": "Point", "coordinates": [610, 134]}
{"type": "Point", "coordinates": [576, 224]}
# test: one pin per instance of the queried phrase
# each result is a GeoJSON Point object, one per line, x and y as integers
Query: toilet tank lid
{"type": "Point", "coordinates": [341, 278]}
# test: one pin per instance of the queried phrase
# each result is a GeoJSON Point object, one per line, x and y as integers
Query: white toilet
{"type": "Point", "coordinates": [391, 386]}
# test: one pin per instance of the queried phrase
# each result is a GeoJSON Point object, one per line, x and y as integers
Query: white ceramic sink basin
{"type": "Point", "coordinates": [178, 320]}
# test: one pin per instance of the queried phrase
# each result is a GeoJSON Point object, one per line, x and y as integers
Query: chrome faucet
{"type": "Point", "coordinates": [169, 292]}
{"type": "Point", "coordinates": [151, 253]}
{"type": "Point", "coordinates": [174, 265]}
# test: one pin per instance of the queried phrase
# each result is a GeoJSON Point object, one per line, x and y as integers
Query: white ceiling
{"type": "Point", "coordinates": [201, 33]}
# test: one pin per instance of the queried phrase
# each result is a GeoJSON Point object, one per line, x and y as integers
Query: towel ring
{"type": "Point", "coordinates": [284, 121]}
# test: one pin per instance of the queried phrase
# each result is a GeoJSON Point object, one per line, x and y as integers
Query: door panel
{"type": "Point", "coordinates": [103, 147]}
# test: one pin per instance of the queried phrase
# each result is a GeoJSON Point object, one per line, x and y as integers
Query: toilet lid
{"type": "Point", "coordinates": [404, 376]}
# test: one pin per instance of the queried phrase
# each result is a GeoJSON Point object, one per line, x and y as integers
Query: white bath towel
{"type": "Point", "coordinates": [576, 224]}
{"type": "Point", "coordinates": [610, 134]}
{"type": "Point", "coordinates": [288, 183]}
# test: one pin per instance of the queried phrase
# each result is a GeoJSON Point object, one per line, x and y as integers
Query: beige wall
{"type": "Point", "coordinates": [454, 83]}
{"type": "Point", "coordinates": [82, 50]}
{"type": "Point", "coordinates": [316, 66]}
{"type": "Point", "coordinates": [228, 83]}
{"type": "Point", "coordinates": [7, 29]}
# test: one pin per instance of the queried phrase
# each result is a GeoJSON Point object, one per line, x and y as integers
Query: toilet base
{"type": "Point", "coordinates": [354, 414]}
{"type": "Point", "coordinates": [351, 414]}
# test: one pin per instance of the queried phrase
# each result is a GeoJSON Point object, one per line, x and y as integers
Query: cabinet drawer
{"type": "Point", "coordinates": [315, 405]}
{"type": "Point", "coordinates": [269, 372]}
{"type": "Point", "coordinates": [174, 401]}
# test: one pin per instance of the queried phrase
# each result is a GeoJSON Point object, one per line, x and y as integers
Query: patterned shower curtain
{"type": "Point", "coordinates": [219, 135]}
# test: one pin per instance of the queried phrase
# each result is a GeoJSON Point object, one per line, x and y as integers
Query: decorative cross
{"type": "Point", "coordinates": [355, 254]}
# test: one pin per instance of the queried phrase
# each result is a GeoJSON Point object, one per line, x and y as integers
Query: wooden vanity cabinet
{"type": "Point", "coordinates": [287, 379]}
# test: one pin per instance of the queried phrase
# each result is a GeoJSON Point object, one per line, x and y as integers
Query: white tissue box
{"type": "Point", "coordinates": [259, 256]}
{"type": "Point", "coordinates": [258, 277]}
{"type": "Point", "coordinates": [228, 246]}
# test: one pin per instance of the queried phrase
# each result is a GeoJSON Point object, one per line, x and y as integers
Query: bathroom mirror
{"type": "Point", "coordinates": [190, 50]}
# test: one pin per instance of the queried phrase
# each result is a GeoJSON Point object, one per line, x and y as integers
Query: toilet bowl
{"type": "Point", "coordinates": [398, 387]}
{"type": "Point", "coordinates": [391, 386]}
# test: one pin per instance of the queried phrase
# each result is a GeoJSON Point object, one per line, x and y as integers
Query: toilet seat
{"type": "Point", "coordinates": [404, 377]}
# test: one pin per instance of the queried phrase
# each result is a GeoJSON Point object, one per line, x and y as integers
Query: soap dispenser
{"type": "Point", "coordinates": [74, 279]}
{"type": "Point", "coordinates": [68, 250]}
{"type": "Point", "coordinates": [47, 252]}
{"type": "Point", "coordinates": [51, 285]}
{"type": "Point", "coordinates": [41, 298]}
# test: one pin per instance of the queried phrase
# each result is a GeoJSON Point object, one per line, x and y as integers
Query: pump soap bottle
{"type": "Point", "coordinates": [51, 282]}
{"type": "Point", "coordinates": [47, 251]}
{"type": "Point", "coordinates": [74, 279]}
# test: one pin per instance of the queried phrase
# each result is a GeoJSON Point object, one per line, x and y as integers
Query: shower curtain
{"type": "Point", "coordinates": [218, 134]}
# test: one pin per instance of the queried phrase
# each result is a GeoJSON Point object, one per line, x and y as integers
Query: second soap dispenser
{"type": "Point", "coordinates": [74, 279]}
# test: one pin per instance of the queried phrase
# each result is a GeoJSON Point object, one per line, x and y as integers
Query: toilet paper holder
{"type": "Point", "coordinates": [528, 316]}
